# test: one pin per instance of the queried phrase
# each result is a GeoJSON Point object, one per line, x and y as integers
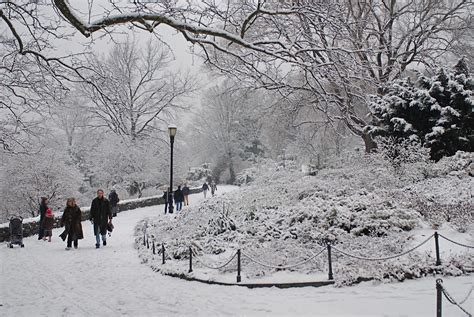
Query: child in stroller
{"type": "Point", "coordinates": [16, 231]}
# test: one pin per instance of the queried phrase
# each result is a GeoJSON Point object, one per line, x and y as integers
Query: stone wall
{"type": "Point", "coordinates": [32, 227]}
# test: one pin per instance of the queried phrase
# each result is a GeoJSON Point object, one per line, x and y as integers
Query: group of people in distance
{"type": "Point", "coordinates": [101, 213]}
{"type": "Point", "coordinates": [181, 195]}
{"type": "Point", "coordinates": [212, 187]}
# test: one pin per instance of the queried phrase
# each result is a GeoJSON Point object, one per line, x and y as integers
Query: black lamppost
{"type": "Point", "coordinates": [172, 132]}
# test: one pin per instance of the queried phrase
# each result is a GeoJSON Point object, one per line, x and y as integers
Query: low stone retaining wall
{"type": "Point", "coordinates": [31, 227]}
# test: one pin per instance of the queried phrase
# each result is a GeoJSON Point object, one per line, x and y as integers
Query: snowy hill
{"type": "Point", "coordinates": [359, 204]}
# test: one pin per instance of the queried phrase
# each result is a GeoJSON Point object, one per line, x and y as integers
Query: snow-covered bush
{"type": "Point", "coordinates": [283, 217]}
{"type": "Point", "coordinates": [199, 173]}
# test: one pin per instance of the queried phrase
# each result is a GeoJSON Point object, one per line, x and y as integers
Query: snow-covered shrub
{"type": "Point", "coordinates": [459, 215]}
{"type": "Point", "coordinates": [284, 216]}
{"type": "Point", "coordinates": [462, 163]}
{"type": "Point", "coordinates": [222, 223]}
{"type": "Point", "coordinates": [246, 176]}
{"type": "Point", "coordinates": [409, 160]}
{"type": "Point", "coordinates": [199, 173]}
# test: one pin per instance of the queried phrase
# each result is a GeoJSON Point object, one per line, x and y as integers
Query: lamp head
{"type": "Point", "coordinates": [172, 130]}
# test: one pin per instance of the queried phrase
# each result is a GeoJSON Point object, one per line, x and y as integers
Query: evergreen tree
{"type": "Point", "coordinates": [436, 111]}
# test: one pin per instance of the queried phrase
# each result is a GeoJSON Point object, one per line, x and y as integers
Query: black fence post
{"type": "Point", "coordinates": [190, 260]}
{"type": "Point", "coordinates": [439, 297]}
{"type": "Point", "coordinates": [239, 278]}
{"type": "Point", "coordinates": [436, 236]}
{"type": "Point", "coordinates": [330, 275]}
{"type": "Point", "coordinates": [163, 254]}
{"type": "Point", "coordinates": [153, 247]}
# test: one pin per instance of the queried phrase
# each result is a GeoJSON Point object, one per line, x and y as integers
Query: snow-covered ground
{"type": "Point", "coordinates": [45, 280]}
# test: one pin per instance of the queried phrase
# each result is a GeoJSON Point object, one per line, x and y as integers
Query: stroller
{"type": "Point", "coordinates": [16, 231]}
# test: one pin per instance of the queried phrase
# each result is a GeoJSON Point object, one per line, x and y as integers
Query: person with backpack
{"type": "Point", "coordinates": [114, 200]}
{"type": "Point", "coordinates": [100, 216]}
{"type": "Point", "coordinates": [186, 194]}
{"type": "Point", "coordinates": [178, 199]}
{"type": "Point", "coordinates": [205, 188]}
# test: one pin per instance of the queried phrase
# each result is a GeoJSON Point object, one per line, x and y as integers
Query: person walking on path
{"type": "Point", "coordinates": [48, 223]}
{"type": "Point", "coordinates": [205, 188]}
{"type": "Point", "coordinates": [42, 213]}
{"type": "Point", "coordinates": [100, 216]}
{"type": "Point", "coordinates": [113, 199]}
{"type": "Point", "coordinates": [213, 188]}
{"type": "Point", "coordinates": [186, 194]}
{"type": "Point", "coordinates": [178, 199]}
{"type": "Point", "coordinates": [71, 220]}
{"type": "Point", "coordinates": [168, 197]}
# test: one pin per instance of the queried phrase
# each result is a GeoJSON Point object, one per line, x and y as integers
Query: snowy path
{"type": "Point", "coordinates": [45, 280]}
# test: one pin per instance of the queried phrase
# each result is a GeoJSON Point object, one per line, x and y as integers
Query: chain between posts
{"type": "Point", "coordinates": [328, 247]}
{"type": "Point", "coordinates": [439, 285]}
{"type": "Point", "coordinates": [282, 267]}
{"type": "Point", "coordinates": [460, 244]}
{"type": "Point", "coordinates": [467, 296]}
{"type": "Point", "coordinates": [382, 258]}
{"type": "Point", "coordinates": [219, 266]}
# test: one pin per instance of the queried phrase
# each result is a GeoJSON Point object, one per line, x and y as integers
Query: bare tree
{"type": "Point", "coordinates": [31, 78]}
{"type": "Point", "coordinates": [136, 89]}
{"type": "Point", "coordinates": [70, 114]}
{"type": "Point", "coordinates": [228, 128]}
{"type": "Point", "coordinates": [339, 50]}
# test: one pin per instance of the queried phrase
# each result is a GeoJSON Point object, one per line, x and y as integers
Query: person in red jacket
{"type": "Point", "coordinates": [48, 223]}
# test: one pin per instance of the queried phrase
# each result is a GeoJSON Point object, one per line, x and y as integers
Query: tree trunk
{"type": "Point", "coordinates": [231, 170]}
{"type": "Point", "coordinates": [370, 144]}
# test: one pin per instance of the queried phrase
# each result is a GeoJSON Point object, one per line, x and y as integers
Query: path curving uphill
{"type": "Point", "coordinates": [43, 279]}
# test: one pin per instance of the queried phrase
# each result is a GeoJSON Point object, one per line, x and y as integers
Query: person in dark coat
{"type": "Point", "coordinates": [205, 188]}
{"type": "Point", "coordinates": [113, 199]}
{"type": "Point", "coordinates": [101, 215]}
{"type": "Point", "coordinates": [213, 188]}
{"type": "Point", "coordinates": [71, 220]}
{"type": "Point", "coordinates": [42, 213]}
{"type": "Point", "coordinates": [186, 194]}
{"type": "Point", "coordinates": [168, 197]}
{"type": "Point", "coordinates": [178, 198]}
